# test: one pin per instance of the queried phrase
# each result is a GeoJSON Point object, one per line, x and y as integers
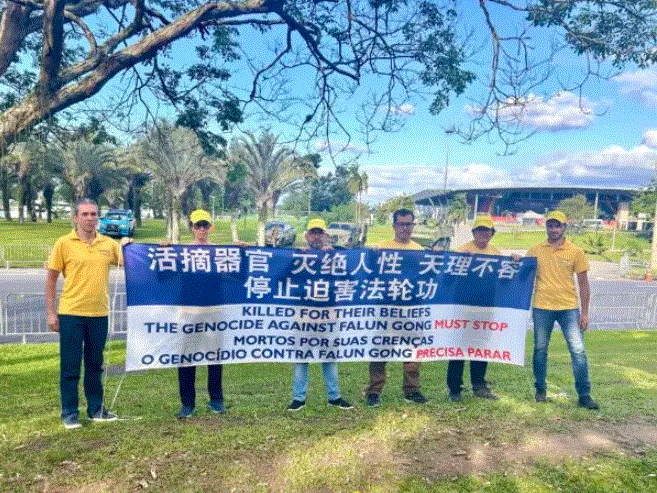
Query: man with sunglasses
{"type": "Point", "coordinates": [200, 223]}
{"type": "Point", "coordinates": [403, 222]}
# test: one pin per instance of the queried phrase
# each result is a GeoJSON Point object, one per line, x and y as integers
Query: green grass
{"type": "Point", "coordinates": [153, 231]}
{"type": "Point", "coordinates": [512, 445]}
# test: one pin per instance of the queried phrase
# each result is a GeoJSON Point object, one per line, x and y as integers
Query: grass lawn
{"type": "Point", "coordinates": [510, 445]}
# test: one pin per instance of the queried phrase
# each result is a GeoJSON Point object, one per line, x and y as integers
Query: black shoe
{"type": "Point", "coordinates": [296, 405]}
{"type": "Point", "coordinates": [454, 396]}
{"type": "Point", "coordinates": [341, 403]}
{"type": "Point", "coordinates": [373, 400]}
{"type": "Point", "coordinates": [416, 398]}
{"type": "Point", "coordinates": [588, 403]}
{"type": "Point", "coordinates": [484, 393]}
{"type": "Point", "coordinates": [540, 397]}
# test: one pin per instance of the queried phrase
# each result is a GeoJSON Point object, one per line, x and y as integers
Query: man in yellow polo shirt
{"type": "Point", "coordinates": [403, 221]}
{"type": "Point", "coordinates": [555, 300]}
{"type": "Point", "coordinates": [482, 232]}
{"type": "Point", "coordinates": [83, 257]}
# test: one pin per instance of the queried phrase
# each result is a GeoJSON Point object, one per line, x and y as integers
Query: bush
{"type": "Point", "coordinates": [594, 243]}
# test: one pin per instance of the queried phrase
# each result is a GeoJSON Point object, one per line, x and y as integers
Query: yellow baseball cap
{"type": "Point", "coordinates": [316, 224]}
{"type": "Point", "coordinates": [200, 215]}
{"type": "Point", "coordinates": [483, 221]}
{"type": "Point", "coordinates": [556, 216]}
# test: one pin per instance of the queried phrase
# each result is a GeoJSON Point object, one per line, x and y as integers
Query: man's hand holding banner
{"type": "Point", "coordinates": [198, 304]}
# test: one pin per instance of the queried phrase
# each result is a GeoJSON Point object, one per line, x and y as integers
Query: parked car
{"type": "Point", "coordinates": [280, 234]}
{"type": "Point", "coordinates": [117, 222]}
{"type": "Point", "coordinates": [345, 235]}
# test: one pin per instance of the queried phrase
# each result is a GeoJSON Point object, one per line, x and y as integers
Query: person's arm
{"type": "Point", "coordinates": [51, 291]}
{"type": "Point", "coordinates": [584, 296]}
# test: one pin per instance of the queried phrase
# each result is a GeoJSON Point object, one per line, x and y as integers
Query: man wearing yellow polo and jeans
{"type": "Point", "coordinates": [83, 257]}
{"type": "Point", "coordinates": [403, 221]}
{"type": "Point", "coordinates": [555, 300]}
{"type": "Point", "coordinates": [482, 232]}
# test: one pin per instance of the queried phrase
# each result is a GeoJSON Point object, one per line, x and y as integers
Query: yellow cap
{"type": "Point", "coordinates": [556, 216]}
{"type": "Point", "coordinates": [483, 221]}
{"type": "Point", "coordinates": [316, 224]}
{"type": "Point", "coordinates": [200, 215]}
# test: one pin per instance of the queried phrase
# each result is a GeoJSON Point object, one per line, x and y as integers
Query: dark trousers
{"type": "Point", "coordinates": [81, 336]}
{"type": "Point", "coordinates": [378, 377]}
{"type": "Point", "coordinates": [187, 384]}
{"type": "Point", "coordinates": [455, 374]}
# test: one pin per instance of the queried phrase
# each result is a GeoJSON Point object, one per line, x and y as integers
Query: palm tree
{"type": "Point", "coordinates": [271, 171]}
{"type": "Point", "coordinates": [90, 169]}
{"type": "Point", "coordinates": [175, 158]}
{"type": "Point", "coordinates": [357, 183]}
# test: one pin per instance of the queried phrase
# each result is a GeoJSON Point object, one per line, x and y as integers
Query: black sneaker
{"type": "Point", "coordinates": [373, 400]}
{"type": "Point", "coordinates": [71, 421]}
{"type": "Point", "coordinates": [416, 398]}
{"type": "Point", "coordinates": [296, 405]}
{"type": "Point", "coordinates": [454, 396]}
{"type": "Point", "coordinates": [185, 412]}
{"type": "Point", "coordinates": [104, 415]}
{"type": "Point", "coordinates": [484, 393]}
{"type": "Point", "coordinates": [341, 403]}
{"type": "Point", "coordinates": [588, 403]}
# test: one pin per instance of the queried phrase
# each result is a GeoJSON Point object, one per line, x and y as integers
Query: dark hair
{"type": "Point", "coordinates": [402, 212]}
{"type": "Point", "coordinates": [84, 201]}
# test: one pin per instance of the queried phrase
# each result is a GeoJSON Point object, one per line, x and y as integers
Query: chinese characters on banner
{"type": "Point", "coordinates": [196, 305]}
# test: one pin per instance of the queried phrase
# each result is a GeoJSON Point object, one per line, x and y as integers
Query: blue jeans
{"type": "Point", "coordinates": [568, 320]}
{"type": "Point", "coordinates": [300, 381]}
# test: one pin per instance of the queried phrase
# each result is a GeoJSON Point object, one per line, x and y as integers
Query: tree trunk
{"type": "Point", "coordinates": [48, 193]}
{"type": "Point", "coordinates": [20, 195]}
{"type": "Point", "coordinates": [262, 218]}
{"type": "Point", "coordinates": [4, 184]}
{"type": "Point", "coordinates": [233, 228]}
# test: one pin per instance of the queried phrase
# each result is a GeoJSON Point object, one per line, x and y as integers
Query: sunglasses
{"type": "Point", "coordinates": [202, 225]}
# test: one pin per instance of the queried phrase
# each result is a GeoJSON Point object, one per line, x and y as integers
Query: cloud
{"type": "Point", "coordinates": [613, 166]}
{"type": "Point", "coordinates": [323, 146]}
{"type": "Point", "coordinates": [391, 180]}
{"type": "Point", "coordinates": [563, 111]}
{"type": "Point", "coordinates": [403, 109]}
{"type": "Point", "coordinates": [641, 84]}
{"type": "Point", "coordinates": [650, 138]}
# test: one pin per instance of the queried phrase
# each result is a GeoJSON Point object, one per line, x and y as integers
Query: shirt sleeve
{"type": "Point", "coordinates": [118, 254]}
{"type": "Point", "coordinates": [581, 262]}
{"type": "Point", "coordinates": [56, 258]}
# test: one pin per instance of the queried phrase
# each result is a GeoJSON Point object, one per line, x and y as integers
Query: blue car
{"type": "Point", "coordinates": [117, 222]}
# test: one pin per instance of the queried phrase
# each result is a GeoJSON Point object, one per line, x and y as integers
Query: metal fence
{"type": "Point", "coordinates": [23, 314]}
{"type": "Point", "coordinates": [24, 254]}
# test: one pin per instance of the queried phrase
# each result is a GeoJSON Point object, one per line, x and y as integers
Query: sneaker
{"type": "Point", "coordinates": [217, 406]}
{"type": "Point", "coordinates": [416, 397]}
{"type": "Point", "coordinates": [484, 393]}
{"type": "Point", "coordinates": [373, 400]}
{"type": "Point", "coordinates": [71, 421]}
{"type": "Point", "coordinates": [587, 402]}
{"type": "Point", "coordinates": [295, 405]}
{"type": "Point", "coordinates": [454, 396]}
{"type": "Point", "coordinates": [341, 403]}
{"type": "Point", "coordinates": [540, 397]}
{"type": "Point", "coordinates": [185, 412]}
{"type": "Point", "coordinates": [104, 415]}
